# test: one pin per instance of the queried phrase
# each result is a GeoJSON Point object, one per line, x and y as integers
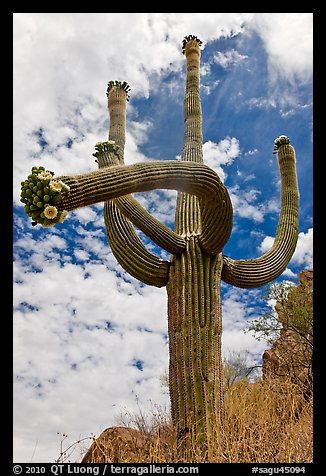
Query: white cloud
{"type": "Point", "coordinates": [228, 58]}
{"type": "Point", "coordinates": [288, 41]}
{"type": "Point", "coordinates": [64, 348]}
{"type": "Point", "coordinates": [303, 255]}
{"type": "Point", "coordinates": [251, 152]}
{"type": "Point", "coordinates": [81, 255]}
{"type": "Point", "coordinates": [237, 313]}
{"type": "Point", "coordinates": [85, 215]}
{"type": "Point", "coordinates": [289, 274]}
{"type": "Point", "coordinates": [223, 153]}
{"type": "Point", "coordinates": [266, 244]}
{"type": "Point", "coordinates": [242, 204]}
{"type": "Point", "coordinates": [62, 62]}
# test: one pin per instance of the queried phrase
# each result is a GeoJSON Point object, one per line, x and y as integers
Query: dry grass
{"type": "Point", "coordinates": [265, 423]}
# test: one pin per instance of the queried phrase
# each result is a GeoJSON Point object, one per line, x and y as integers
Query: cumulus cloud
{"type": "Point", "coordinates": [76, 323]}
{"type": "Point", "coordinates": [303, 255]}
{"type": "Point", "coordinates": [243, 204]}
{"type": "Point", "coordinates": [289, 50]}
{"type": "Point", "coordinates": [237, 314]}
{"type": "Point", "coordinates": [221, 154]}
{"type": "Point", "coordinates": [266, 244]}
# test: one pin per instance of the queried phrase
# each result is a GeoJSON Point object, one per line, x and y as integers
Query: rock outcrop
{"type": "Point", "coordinates": [113, 443]}
{"type": "Point", "coordinates": [124, 444]}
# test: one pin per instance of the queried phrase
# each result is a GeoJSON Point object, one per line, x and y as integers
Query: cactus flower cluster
{"type": "Point", "coordinates": [190, 38]}
{"type": "Point", "coordinates": [106, 146]}
{"type": "Point", "coordinates": [120, 85]}
{"type": "Point", "coordinates": [281, 140]}
{"type": "Point", "coordinates": [40, 193]}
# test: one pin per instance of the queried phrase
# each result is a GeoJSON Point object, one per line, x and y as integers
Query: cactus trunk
{"type": "Point", "coordinates": [194, 306]}
{"type": "Point", "coordinates": [195, 326]}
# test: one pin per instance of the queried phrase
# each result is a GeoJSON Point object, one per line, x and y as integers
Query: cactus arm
{"type": "Point", "coordinates": [125, 244]}
{"type": "Point", "coordinates": [135, 213]}
{"type": "Point", "coordinates": [188, 217]}
{"type": "Point", "coordinates": [257, 272]}
{"type": "Point", "coordinates": [191, 219]}
{"type": "Point", "coordinates": [129, 206]}
{"type": "Point", "coordinates": [153, 228]}
{"type": "Point", "coordinates": [192, 178]}
{"type": "Point", "coordinates": [129, 250]}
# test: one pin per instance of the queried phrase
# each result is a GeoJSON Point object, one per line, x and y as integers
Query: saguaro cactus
{"type": "Point", "coordinates": [193, 275]}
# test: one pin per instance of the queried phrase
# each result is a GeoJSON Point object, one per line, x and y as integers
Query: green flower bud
{"type": "Point", "coordinates": [40, 193]}
{"type": "Point", "coordinates": [31, 185]}
{"type": "Point", "coordinates": [46, 198]}
{"type": "Point", "coordinates": [35, 189]}
{"type": "Point", "coordinates": [57, 197]}
{"type": "Point", "coordinates": [39, 204]}
{"type": "Point", "coordinates": [39, 185]}
{"type": "Point", "coordinates": [33, 207]}
{"type": "Point", "coordinates": [46, 190]}
{"type": "Point", "coordinates": [26, 208]}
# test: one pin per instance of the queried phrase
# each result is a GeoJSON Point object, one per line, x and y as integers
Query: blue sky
{"type": "Point", "coordinates": [90, 341]}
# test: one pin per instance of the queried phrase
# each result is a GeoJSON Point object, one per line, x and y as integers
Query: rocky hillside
{"type": "Point", "coordinates": [291, 354]}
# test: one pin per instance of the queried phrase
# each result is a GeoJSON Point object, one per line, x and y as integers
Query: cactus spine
{"type": "Point", "coordinates": [203, 223]}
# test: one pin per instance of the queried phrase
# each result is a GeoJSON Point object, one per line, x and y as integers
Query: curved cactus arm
{"type": "Point", "coordinates": [257, 272]}
{"type": "Point", "coordinates": [125, 244]}
{"type": "Point", "coordinates": [108, 154]}
{"type": "Point", "coordinates": [129, 250]}
{"type": "Point", "coordinates": [195, 179]}
{"type": "Point", "coordinates": [153, 228]}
